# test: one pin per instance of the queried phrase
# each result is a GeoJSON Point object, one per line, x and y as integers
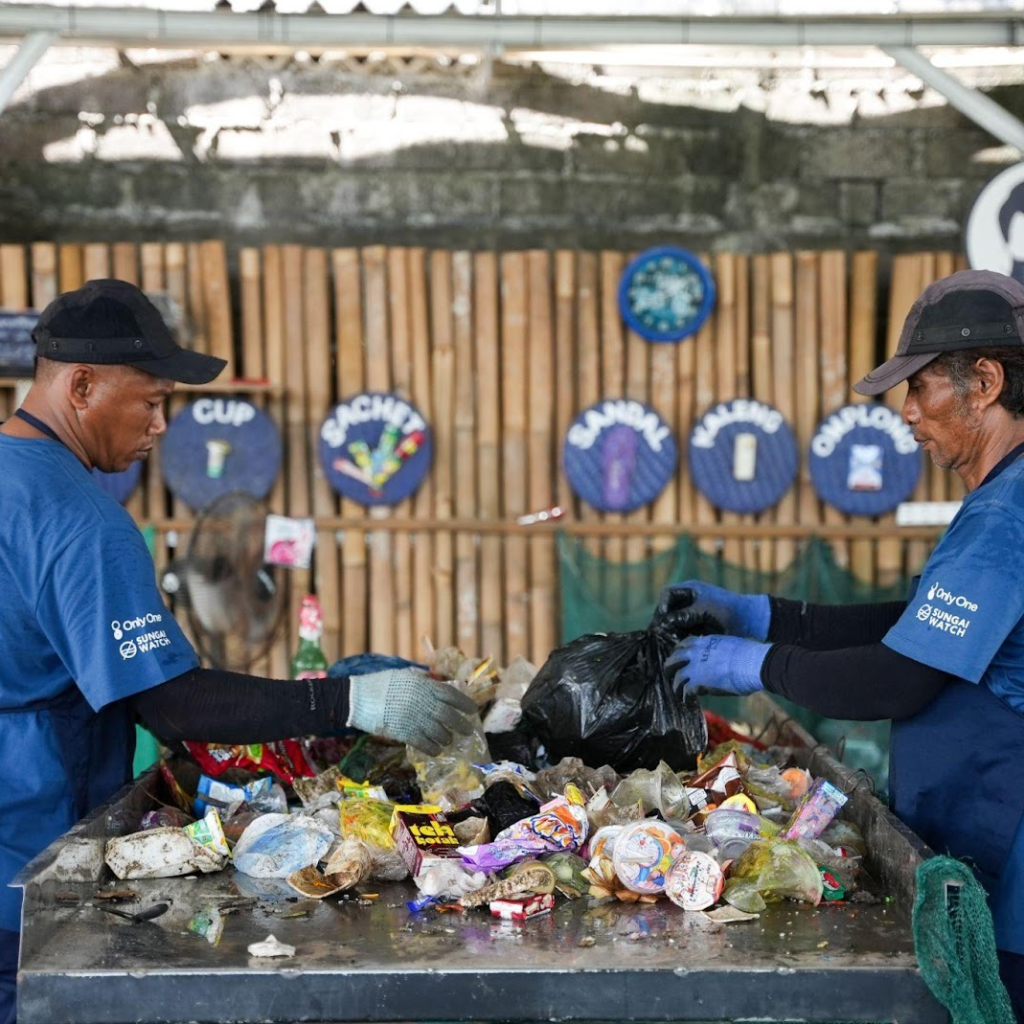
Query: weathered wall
{"type": "Point", "coordinates": [469, 154]}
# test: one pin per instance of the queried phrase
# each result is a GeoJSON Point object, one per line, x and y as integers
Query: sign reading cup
{"type": "Point", "coordinates": [864, 459]}
{"type": "Point", "coordinates": [618, 455]}
{"type": "Point", "coordinates": [743, 455]}
{"type": "Point", "coordinates": [220, 444]}
{"type": "Point", "coordinates": [994, 236]}
{"type": "Point", "coordinates": [375, 448]}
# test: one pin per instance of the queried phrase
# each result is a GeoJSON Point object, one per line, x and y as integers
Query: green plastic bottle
{"type": "Point", "coordinates": [310, 662]}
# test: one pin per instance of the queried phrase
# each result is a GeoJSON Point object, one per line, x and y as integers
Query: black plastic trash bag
{"type": "Point", "coordinates": [606, 699]}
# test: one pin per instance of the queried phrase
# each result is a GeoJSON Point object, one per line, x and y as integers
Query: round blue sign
{"type": "Point", "coordinates": [743, 455]}
{"type": "Point", "coordinates": [618, 455]}
{"type": "Point", "coordinates": [666, 294]}
{"type": "Point", "coordinates": [119, 485]}
{"type": "Point", "coordinates": [864, 459]}
{"type": "Point", "coordinates": [375, 448]}
{"type": "Point", "coordinates": [217, 445]}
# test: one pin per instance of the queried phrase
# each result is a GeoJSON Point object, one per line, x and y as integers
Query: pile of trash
{"type": "Point", "coordinates": [496, 822]}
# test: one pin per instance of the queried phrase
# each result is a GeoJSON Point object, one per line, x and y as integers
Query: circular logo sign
{"type": "Point", "coordinates": [743, 455]}
{"type": "Point", "coordinates": [864, 459]}
{"type": "Point", "coordinates": [666, 294]}
{"type": "Point", "coordinates": [618, 455]}
{"type": "Point", "coordinates": [119, 485]}
{"type": "Point", "coordinates": [217, 445]}
{"type": "Point", "coordinates": [994, 237]}
{"type": "Point", "coordinates": [375, 448]}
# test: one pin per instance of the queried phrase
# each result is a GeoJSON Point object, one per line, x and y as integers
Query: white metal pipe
{"type": "Point", "coordinates": [147, 27]}
{"type": "Point", "coordinates": [23, 61]}
{"type": "Point", "coordinates": [985, 112]}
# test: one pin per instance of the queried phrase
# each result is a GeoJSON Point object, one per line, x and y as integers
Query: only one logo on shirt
{"type": "Point", "coordinates": [936, 592]}
{"type": "Point", "coordinates": [121, 626]}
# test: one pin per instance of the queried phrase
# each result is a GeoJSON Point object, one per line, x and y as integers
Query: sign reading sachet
{"type": "Point", "coordinates": [375, 448]}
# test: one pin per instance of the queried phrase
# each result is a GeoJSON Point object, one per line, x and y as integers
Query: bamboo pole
{"type": "Point", "coordinates": [443, 398]}
{"type": "Point", "coordinates": [613, 370]}
{"type": "Point", "coordinates": [725, 367]}
{"type": "Point", "coordinates": [541, 425]}
{"type": "Point", "coordinates": [350, 376]}
{"type": "Point", "coordinates": [783, 356]}
{"type": "Point", "coordinates": [588, 365]}
{"type": "Point", "coordinates": [423, 608]}
{"type": "Point", "coordinates": [401, 384]}
{"type": "Point", "coordinates": [762, 376]}
{"type": "Point", "coordinates": [515, 476]}
{"type": "Point", "coordinates": [319, 397]}
{"type": "Point", "coordinates": [485, 301]}
{"type": "Point", "coordinates": [467, 582]}
{"type": "Point", "coordinates": [863, 313]}
{"type": "Point", "coordinates": [705, 395]}
{"type": "Point", "coordinates": [96, 261]}
{"type": "Point", "coordinates": [378, 378]}
{"type": "Point", "coordinates": [71, 270]}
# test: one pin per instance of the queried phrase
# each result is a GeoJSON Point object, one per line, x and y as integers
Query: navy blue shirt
{"type": "Point", "coordinates": [967, 618]}
{"type": "Point", "coordinates": [82, 626]}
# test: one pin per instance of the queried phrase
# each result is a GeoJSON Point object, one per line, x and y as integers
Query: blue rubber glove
{"type": "Point", "coordinates": [716, 664]}
{"type": "Point", "coordinates": [405, 704]}
{"type": "Point", "coordinates": [738, 614]}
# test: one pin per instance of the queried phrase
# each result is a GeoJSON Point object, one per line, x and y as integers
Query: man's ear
{"type": "Point", "coordinates": [80, 385]}
{"type": "Point", "coordinates": [991, 377]}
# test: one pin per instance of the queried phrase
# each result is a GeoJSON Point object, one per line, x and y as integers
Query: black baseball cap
{"type": "Point", "coordinates": [112, 322]}
{"type": "Point", "coordinates": [969, 309]}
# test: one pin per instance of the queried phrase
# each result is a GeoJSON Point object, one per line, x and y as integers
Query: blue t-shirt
{"type": "Point", "coordinates": [82, 625]}
{"type": "Point", "coordinates": [967, 618]}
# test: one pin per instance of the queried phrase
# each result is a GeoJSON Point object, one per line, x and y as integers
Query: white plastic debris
{"type": "Point", "coordinates": [160, 853]}
{"type": "Point", "coordinates": [270, 946]}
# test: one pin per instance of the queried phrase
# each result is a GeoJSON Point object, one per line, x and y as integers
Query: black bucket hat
{"type": "Point", "coordinates": [112, 322]}
{"type": "Point", "coordinates": [969, 309]}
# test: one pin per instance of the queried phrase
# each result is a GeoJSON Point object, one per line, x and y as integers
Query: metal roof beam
{"type": "Point", "coordinates": [982, 110]}
{"type": "Point", "coordinates": [18, 67]}
{"type": "Point", "coordinates": [223, 29]}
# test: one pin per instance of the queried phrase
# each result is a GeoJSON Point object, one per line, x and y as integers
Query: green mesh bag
{"type": "Point", "coordinates": [955, 944]}
{"type": "Point", "coordinates": [602, 596]}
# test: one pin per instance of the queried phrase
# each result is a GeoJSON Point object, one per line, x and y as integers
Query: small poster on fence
{"type": "Point", "coordinates": [289, 542]}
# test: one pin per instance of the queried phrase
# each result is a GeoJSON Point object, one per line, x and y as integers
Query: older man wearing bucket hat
{"type": "Point", "coordinates": [72, 562]}
{"type": "Point", "coordinates": [947, 665]}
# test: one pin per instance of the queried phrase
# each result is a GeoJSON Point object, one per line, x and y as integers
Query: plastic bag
{"type": "Point", "coordinates": [605, 698]}
{"type": "Point", "coordinates": [777, 868]}
{"type": "Point", "coordinates": [276, 845]}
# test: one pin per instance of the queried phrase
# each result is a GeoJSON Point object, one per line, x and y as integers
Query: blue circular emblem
{"type": "Point", "coordinates": [375, 448]}
{"type": "Point", "coordinates": [618, 455]}
{"type": "Point", "coordinates": [743, 455]}
{"type": "Point", "coordinates": [864, 459]}
{"type": "Point", "coordinates": [220, 444]}
{"type": "Point", "coordinates": [119, 485]}
{"type": "Point", "coordinates": [666, 294]}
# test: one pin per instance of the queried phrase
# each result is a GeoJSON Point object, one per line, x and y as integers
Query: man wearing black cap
{"type": "Point", "coordinates": [74, 570]}
{"type": "Point", "coordinates": [947, 665]}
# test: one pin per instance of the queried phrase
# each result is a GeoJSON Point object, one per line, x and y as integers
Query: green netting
{"type": "Point", "coordinates": [955, 945]}
{"type": "Point", "coordinates": [599, 595]}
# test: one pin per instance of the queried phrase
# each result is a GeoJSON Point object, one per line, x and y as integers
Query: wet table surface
{"type": "Point", "coordinates": [376, 960]}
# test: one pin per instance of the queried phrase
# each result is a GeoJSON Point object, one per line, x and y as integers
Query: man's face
{"type": "Point", "coordinates": [126, 415]}
{"type": "Point", "coordinates": [943, 423]}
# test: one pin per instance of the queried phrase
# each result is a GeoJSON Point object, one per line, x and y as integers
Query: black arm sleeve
{"type": "Point", "coordinates": [860, 683]}
{"type": "Point", "coordinates": [826, 627]}
{"type": "Point", "coordinates": [211, 706]}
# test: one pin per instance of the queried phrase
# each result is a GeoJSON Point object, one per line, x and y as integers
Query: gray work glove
{"type": "Point", "coordinates": [405, 704]}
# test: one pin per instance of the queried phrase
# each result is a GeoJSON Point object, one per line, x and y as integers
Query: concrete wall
{"type": "Point", "coordinates": [143, 146]}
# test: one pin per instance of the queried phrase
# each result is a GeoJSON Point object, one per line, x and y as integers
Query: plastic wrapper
{"type": "Point", "coordinates": [845, 869]}
{"type": "Point", "coordinates": [571, 771]}
{"type": "Point", "coordinates": [514, 680]}
{"type": "Point", "coordinates": [448, 878]}
{"type": "Point", "coordinates": [818, 806]}
{"type": "Point", "coordinates": [160, 853]}
{"type": "Point", "coordinates": [238, 821]}
{"type": "Point", "coordinates": [368, 820]}
{"type": "Point", "coordinates": [276, 845]}
{"type": "Point", "coordinates": [777, 869]}
{"type": "Point", "coordinates": [560, 825]}
{"type": "Point", "coordinates": [606, 698]}
{"type": "Point", "coordinates": [504, 805]}
{"type": "Point", "coordinates": [657, 789]}
{"type": "Point", "coordinates": [568, 870]}
{"type": "Point", "coordinates": [260, 794]}
{"type": "Point", "coordinates": [601, 812]}
{"type": "Point", "coordinates": [284, 759]}
{"type": "Point", "coordinates": [450, 778]}
{"type": "Point", "coordinates": [844, 836]}
{"type": "Point", "coordinates": [210, 832]}
{"type": "Point", "coordinates": [350, 864]}
{"type": "Point", "coordinates": [165, 817]}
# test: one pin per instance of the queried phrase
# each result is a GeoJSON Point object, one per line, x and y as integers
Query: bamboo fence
{"type": "Point", "coordinates": [499, 352]}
